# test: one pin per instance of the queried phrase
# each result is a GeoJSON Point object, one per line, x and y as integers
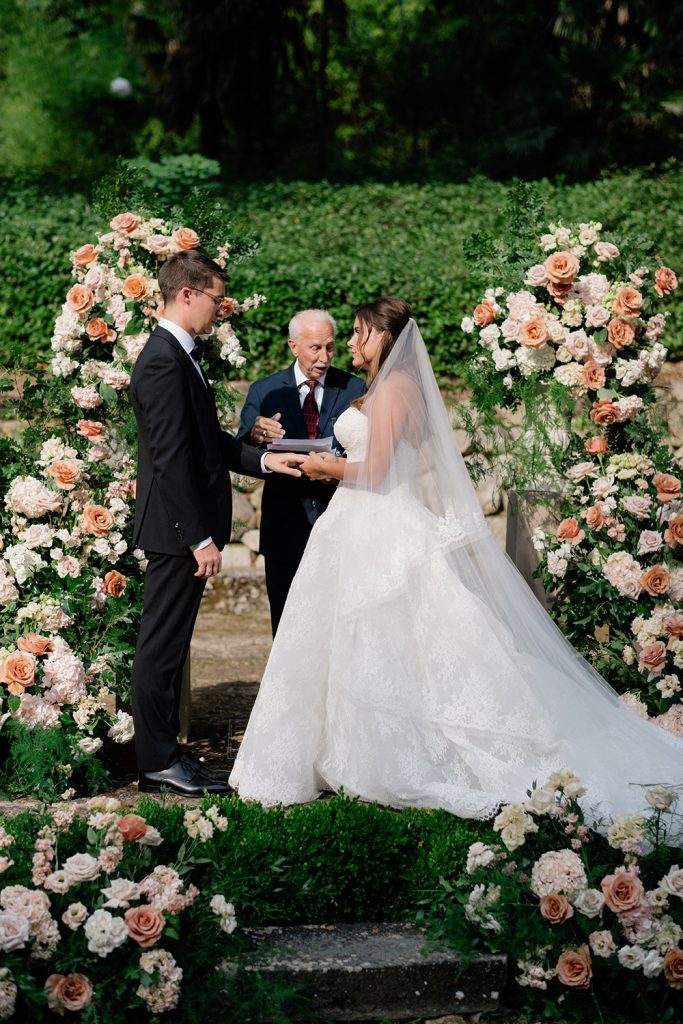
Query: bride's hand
{"type": "Point", "coordinates": [323, 466]}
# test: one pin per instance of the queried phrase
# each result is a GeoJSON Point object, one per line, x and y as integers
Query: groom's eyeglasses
{"type": "Point", "coordinates": [218, 300]}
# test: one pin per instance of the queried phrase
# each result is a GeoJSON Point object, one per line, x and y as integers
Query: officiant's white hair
{"type": "Point", "coordinates": [306, 316]}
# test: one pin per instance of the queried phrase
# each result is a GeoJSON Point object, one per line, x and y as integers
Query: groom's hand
{"type": "Point", "coordinates": [209, 561]}
{"type": "Point", "coordinates": [283, 462]}
{"type": "Point", "coordinates": [266, 429]}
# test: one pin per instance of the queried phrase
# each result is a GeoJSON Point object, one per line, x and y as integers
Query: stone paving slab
{"type": "Point", "coordinates": [361, 972]}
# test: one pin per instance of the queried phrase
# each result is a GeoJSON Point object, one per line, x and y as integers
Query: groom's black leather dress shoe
{"type": "Point", "coordinates": [184, 779]}
{"type": "Point", "coordinates": [217, 774]}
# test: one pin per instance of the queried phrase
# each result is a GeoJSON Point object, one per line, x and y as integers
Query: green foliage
{"type": "Point", "coordinates": [172, 177]}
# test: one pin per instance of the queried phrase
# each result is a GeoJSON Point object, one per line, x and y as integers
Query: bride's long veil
{"type": "Point", "coordinates": [411, 447]}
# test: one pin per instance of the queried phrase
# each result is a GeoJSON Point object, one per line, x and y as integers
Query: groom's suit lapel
{"type": "Point", "coordinates": [201, 391]}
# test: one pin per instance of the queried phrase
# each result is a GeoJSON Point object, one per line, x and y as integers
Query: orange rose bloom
{"type": "Point", "coordinates": [674, 624]}
{"type": "Point", "coordinates": [18, 672]}
{"type": "Point", "coordinates": [561, 267]}
{"type": "Point", "coordinates": [593, 375]}
{"type": "Point", "coordinates": [595, 517]}
{"type": "Point", "coordinates": [227, 308]}
{"type": "Point", "coordinates": [623, 891]}
{"type": "Point", "coordinates": [674, 532]}
{"type": "Point", "coordinates": [96, 520]}
{"type": "Point", "coordinates": [65, 472]}
{"type": "Point", "coordinates": [604, 412]}
{"type": "Point", "coordinates": [627, 301]}
{"type": "Point", "coordinates": [665, 281]}
{"type": "Point", "coordinates": [558, 291]}
{"type": "Point", "coordinates": [33, 643]}
{"type": "Point", "coordinates": [145, 924]}
{"type": "Point", "coordinates": [656, 580]}
{"type": "Point", "coordinates": [68, 992]}
{"type": "Point", "coordinates": [595, 446]}
{"type": "Point", "coordinates": [484, 314]}
{"type": "Point", "coordinates": [620, 333]}
{"type": "Point", "coordinates": [98, 330]}
{"type": "Point", "coordinates": [92, 429]}
{"type": "Point", "coordinates": [135, 287]}
{"type": "Point", "coordinates": [673, 967]}
{"type": "Point", "coordinates": [574, 967]}
{"type": "Point", "coordinates": [114, 583]}
{"type": "Point", "coordinates": [556, 909]}
{"type": "Point", "coordinates": [80, 299]}
{"type": "Point", "coordinates": [534, 333]}
{"type": "Point", "coordinates": [185, 238]}
{"type": "Point", "coordinates": [132, 826]}
{"type": "Point", "coordinates": [668, 487]}
{"type": "Point", "coordinates": [84, 256]}
{"type": "Point", "coordinates": [569, 530]}
{"type": "Point", "coordinates": [125, 222]}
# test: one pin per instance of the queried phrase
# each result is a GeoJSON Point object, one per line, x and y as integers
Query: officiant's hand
{"type": "Point", "coordinates": [267, 429]}
{"type": "Point", "coordinates": [283, 462]}
{"type": "Point", "coordinates": [323, 466]}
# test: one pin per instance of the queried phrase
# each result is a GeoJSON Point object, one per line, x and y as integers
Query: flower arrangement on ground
{"type": "Point", "coordinates": [593, 925]}
{"type": "Point", "coordinates": [70, 585]}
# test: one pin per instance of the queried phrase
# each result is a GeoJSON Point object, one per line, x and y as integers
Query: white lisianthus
{"type": "Point", "coordinates": [467, 324]}
{"type": "Point", "coordinates": [602, 944]}
{"type": "Point", "coordinates": [225, 912]}
{"type": "Point", "coordinates": [590, 902]}
{"type": "Point", "coordinates": [631, 957]}
{"type": "Point", "coordinates": [74, 916]}
{"type": "Point", "coordinates": [672, 883]}
{"type": "Point", "coordinates": [122, 731]}
{"type": "Point", "coordinates": [540, 802]}
{"type": "Point", "coordinates": [653, 964]}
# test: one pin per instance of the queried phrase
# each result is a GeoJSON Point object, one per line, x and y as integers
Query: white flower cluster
{"type": "Point", "coordinates": [202, 825]}
{"type": "Point", "coordinates": [164, 994]}
{"type": "Point", "coordinates": [514, 823]}
{"type": "Point", "coordinates": [478, 907]}
{"type": "Point", "coordinates": [225, 912]}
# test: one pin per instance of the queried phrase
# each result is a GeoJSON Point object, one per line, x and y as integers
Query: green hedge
{"type": "Point", "coordinates": [336, 246]}
{"type": "Point", "coordinates": [335, 860]}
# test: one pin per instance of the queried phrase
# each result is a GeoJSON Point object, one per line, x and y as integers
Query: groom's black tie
{"type": "Point", "coordinates": [198, 351]}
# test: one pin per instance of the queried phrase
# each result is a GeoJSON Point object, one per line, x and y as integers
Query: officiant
{"type": "Point", "coordinates": [300, 402]}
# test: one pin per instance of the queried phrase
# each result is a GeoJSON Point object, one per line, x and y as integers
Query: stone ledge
{"type": "Point", "coordinates": [357, 972]}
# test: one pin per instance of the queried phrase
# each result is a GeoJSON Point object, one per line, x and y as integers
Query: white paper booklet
{"type": "Point", "coordinates": [302, 445]}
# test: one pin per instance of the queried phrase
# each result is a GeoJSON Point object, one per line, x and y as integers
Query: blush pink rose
{"type": "Point", "coordinates": [652, 658]}
{"type": "Point", "coordinates": [605, 251]}
{"type": "Point", "coordinates": [623, 891]}
{"type": "Point", "coordinates": [125, 222]}
{"type": "Point", "coordinates": [92, 429]}
{"type": "Point", "coordinates": [673, 624]}
{"type": "Point", "coordinates": [593, 376]}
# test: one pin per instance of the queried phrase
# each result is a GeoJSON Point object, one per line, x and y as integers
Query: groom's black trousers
{"type": "Point", "coordinates": [171, 602]}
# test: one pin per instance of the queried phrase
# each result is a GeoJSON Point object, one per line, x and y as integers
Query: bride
{"type": "Point", "coordinates": [413, 665]}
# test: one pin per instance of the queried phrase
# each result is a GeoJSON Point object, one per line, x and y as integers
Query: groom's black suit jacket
{"type": "Point", "coordinates": [183, 492]}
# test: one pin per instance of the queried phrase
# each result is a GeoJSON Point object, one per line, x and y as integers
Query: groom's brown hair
{"type": "Point", "coordinates": [190, 269]}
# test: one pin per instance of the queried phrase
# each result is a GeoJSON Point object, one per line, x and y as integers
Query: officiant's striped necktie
{"type": "Point", "coordinates": [310, 411]}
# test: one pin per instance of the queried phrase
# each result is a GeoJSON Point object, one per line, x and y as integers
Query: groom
{"type": "Point", "coordinates": [183, 512]}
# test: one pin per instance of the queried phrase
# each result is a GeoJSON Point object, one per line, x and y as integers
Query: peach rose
{"type": "Point", "coordinates": [558, 291]}
{"type": "Point", "coordinates": [65, 472]}
{"type": "Point", "coordinates": [84, 256]}
{"type": "Point", "coordinates": [623, 891]}
{"type": "Point", "coordinates": [92, 429]}
{"type": "Point", "coordinates": [673, 624]}
{"type": "Point", "coordinates": [80, 299]}
{"type": "Point", "coordinates": [595, 446]}
{"type": "Point", "coordinates": [34, 643]}
{"type": "Point", "coordinates": [135, 287]}
{"type": "Point", "coordinates": [627, 301]}
{"type": "Point", "coordinates": [18, 672]}
{"type": "Point", "coordinates": [125, 222]}
{"type": "Point", "coordinates": [96, 520]}
{"type": "Point", "coordinates": [68, 992]}
{"type": "Point", "coordinates": [186, 238]}
{"type": "Point", "coordinates": [561, 267]}
{"type": "Point", "coordinates": [533, 333]}
{"type": "Point", "coordinates": [673, 534]}
{"type": "Point", "coordinates": [620, 333]}
{"type": "Point", "coordinates": [673, 967]}
{"type": "Point", "coordinates": [114, 583]}
{"type": "Point", "coordinates": [484, 314]}
{"type": "Point", "coordinates": [132, 826]}
{"type": "Point", "coordinates": [569, 530]}
{"type": "Point", "coordinates": [666, 281]}
{"type": "Point", "coordinates": [593, 375]}
{"type": "Point", "coordinates": [98, 330]}
{"type": "Point", "coordinates": [556, 909]}
{"type": "Point", "coordinates": [227, 308]}
{"type": "Point", "coordinates": [145, 924]}
{"type": "Point", "coordinates": [653, 657]}
{"type": "Point", "coordinates": [574, 967]}
{"type": "Point", "coordinates": [668, 487]}
{"type": "Point", "coordinates": [604, 412]}
{"type": "Point", "coordinates": [595, 517]}
{"type": "Point", "coordinates": [656, 581]}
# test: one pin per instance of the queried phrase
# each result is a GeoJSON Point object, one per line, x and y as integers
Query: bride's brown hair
{"type": "Point", "coordinates": [389, 315]}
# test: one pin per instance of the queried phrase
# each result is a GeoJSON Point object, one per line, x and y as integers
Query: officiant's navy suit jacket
{"type": "Point", "coordinates": [291, 505]}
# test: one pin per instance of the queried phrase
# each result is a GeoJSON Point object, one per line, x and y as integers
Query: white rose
{"type": "Point", "coordinates": [467, 325]}
{"type": "Point", "coordinates": [540, 802]}
{"type": "Point", "coordinates": [672, 883]}
{"type": "Point", "coordinates": [120, 892]}
{"type": "Point", "coordinates": [81, 867]}
{"type": "Point", "coordinates": [14, 930]}
{"type": "Point", "coordinates": [660, 798]}
{"type": "Point", "coordinates": [652, 964]}
{"type": "Point", "coordinates": [536, 276]}
{"type": "Point", "coordinates": [513, 835]}
{"type": "Point", "coordinates": [90, 744]}
{"type": "Point", "coordinates": [590, 902]}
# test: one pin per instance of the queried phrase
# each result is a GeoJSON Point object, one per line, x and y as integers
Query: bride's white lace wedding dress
{"type": "Point", "coordinates": [396, 676]}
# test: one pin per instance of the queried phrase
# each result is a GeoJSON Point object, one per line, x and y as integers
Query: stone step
{"type": "Point", "coordinates": [357, 972]}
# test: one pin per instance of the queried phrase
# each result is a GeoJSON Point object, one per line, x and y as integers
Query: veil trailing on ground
{"type": "Point", "coordinates": [411, 449]}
